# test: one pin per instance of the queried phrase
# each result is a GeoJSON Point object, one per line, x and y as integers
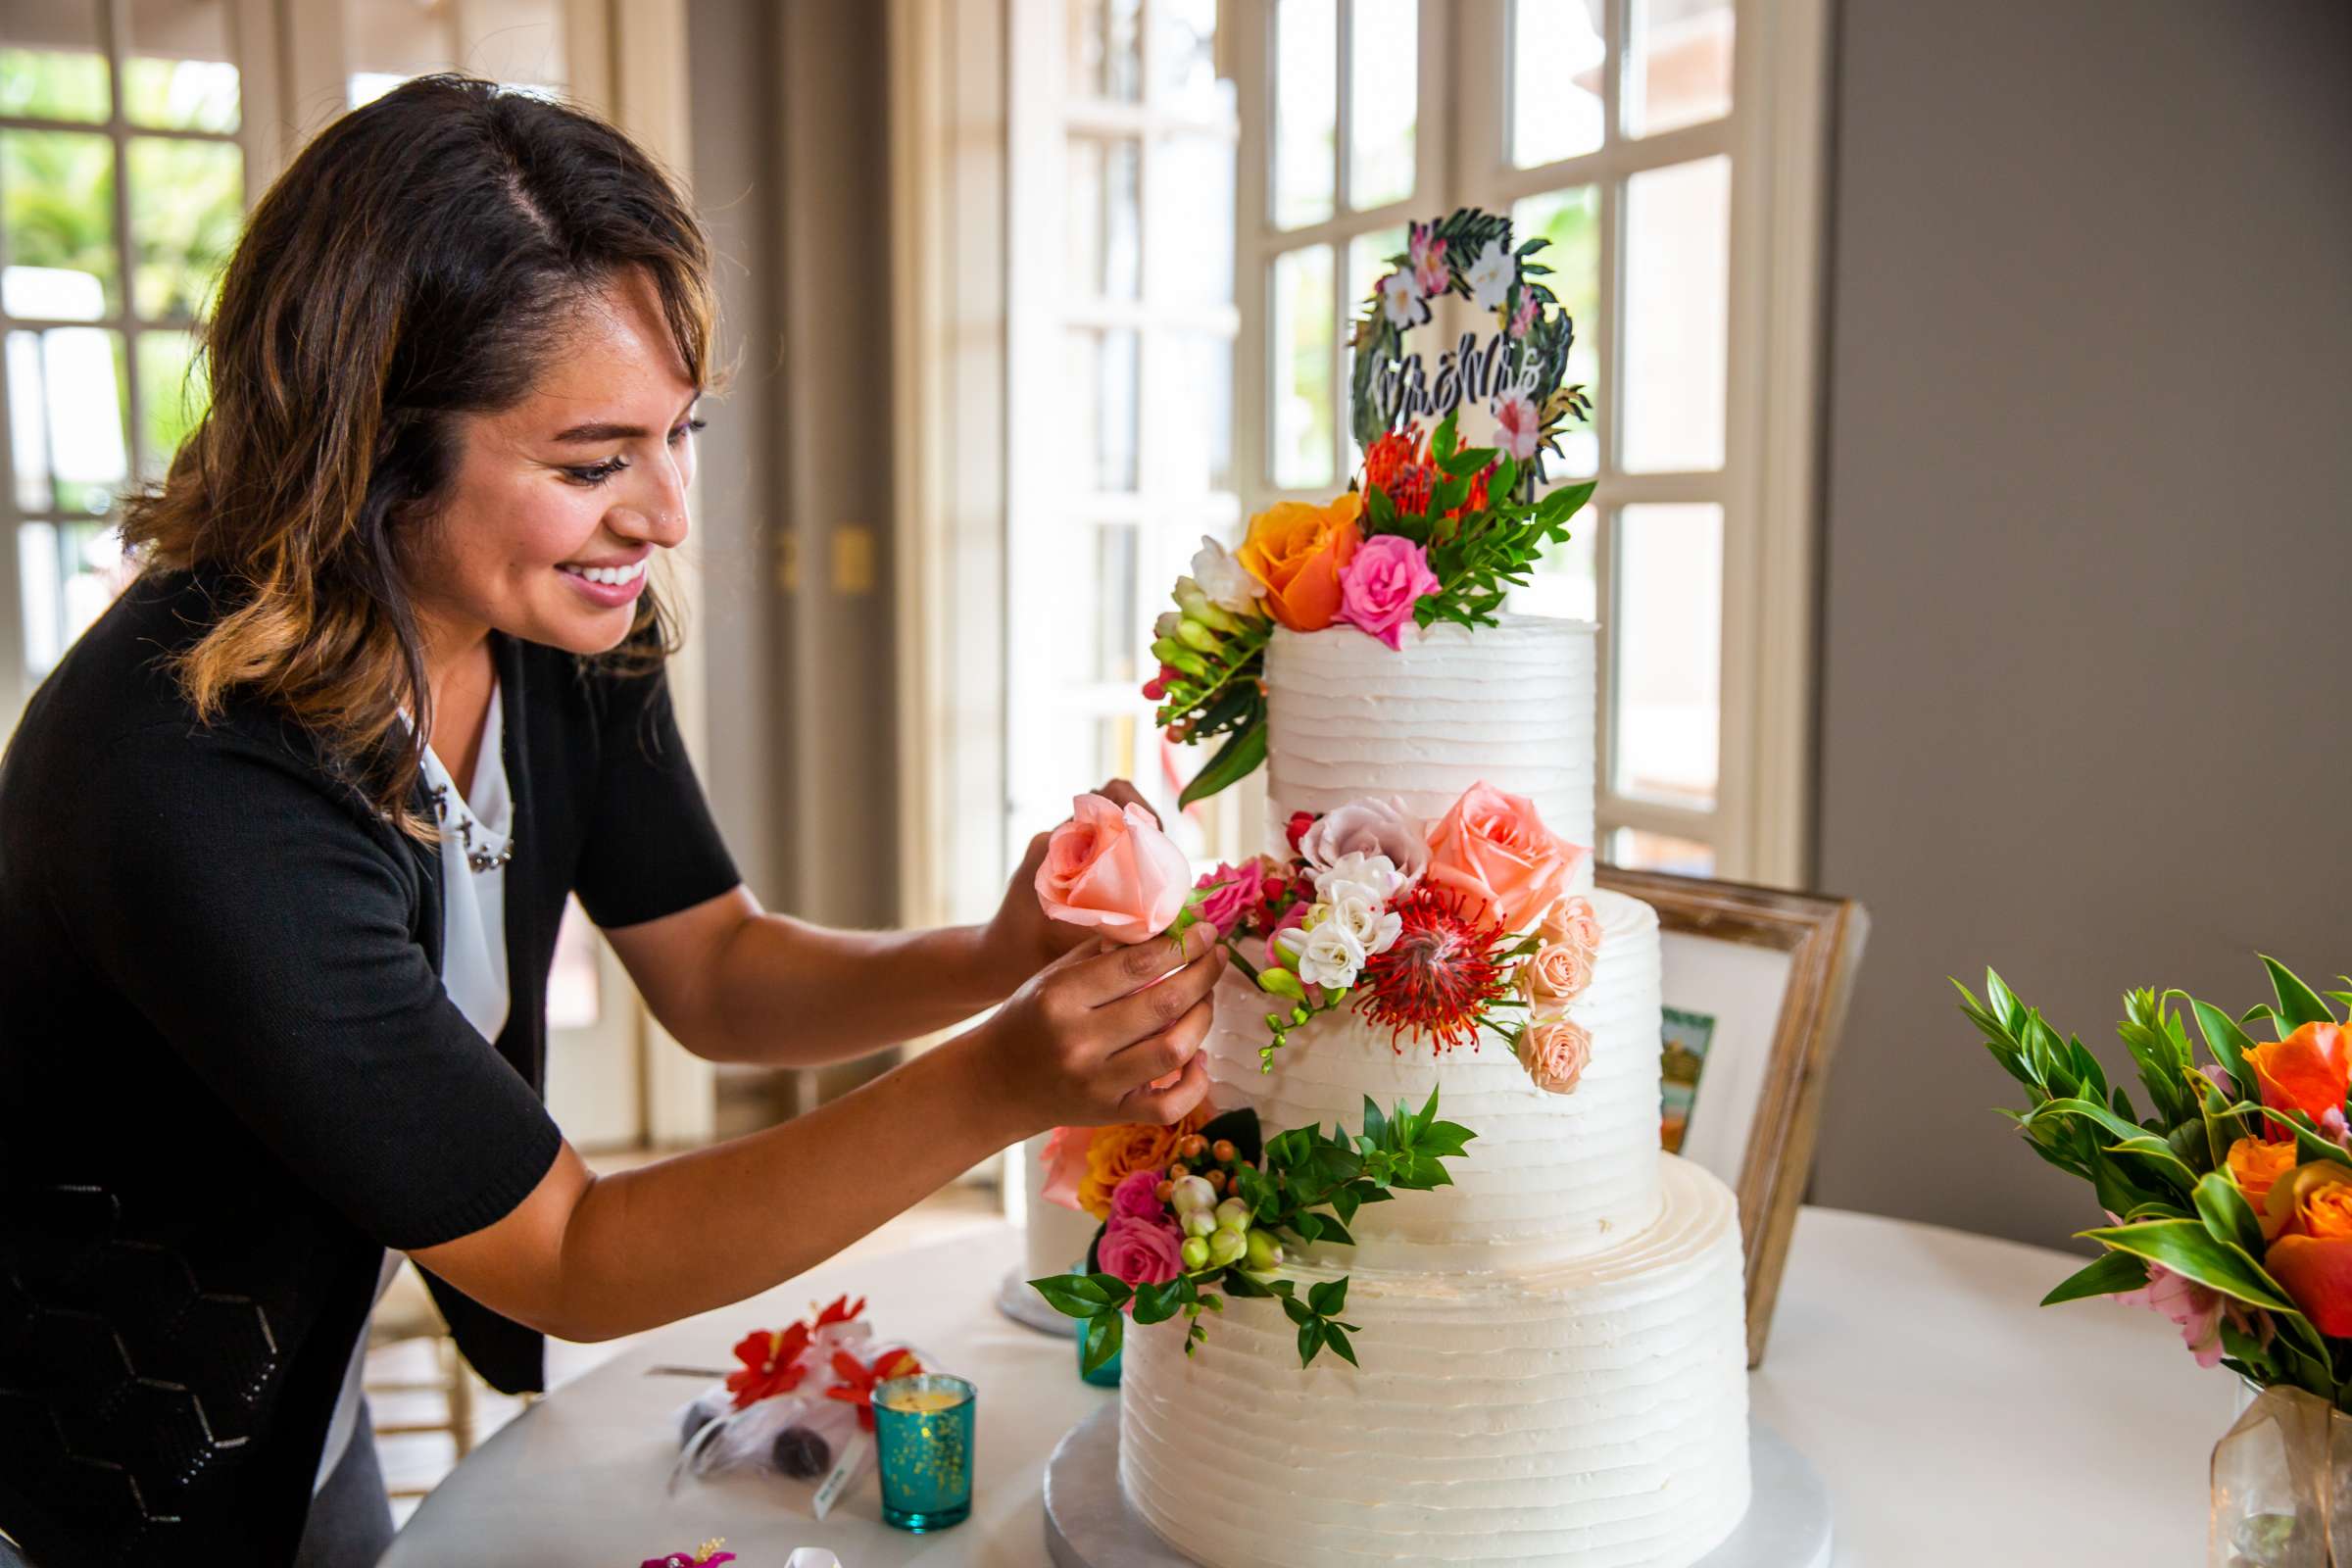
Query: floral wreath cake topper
{"type": "Point", "coordinates": [1429, 529]}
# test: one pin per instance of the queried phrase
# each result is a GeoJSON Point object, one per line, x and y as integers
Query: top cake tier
{"type": "Point", "coordinates": [1510, 706]}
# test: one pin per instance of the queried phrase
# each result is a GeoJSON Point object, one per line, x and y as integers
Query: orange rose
{"type": "Point", "coordinates": [1121, 1149]}
{"type": "Point", "coordinates": [2306, 1071]}
{"type": "Point", "coordinates": [1296, 551]}
{"type": "Point", "coordinates": [1494, 851]}
{"type": "Point", "coordinates": [2310, 1213]}
{"type": "Point", "coordinates": [2256, 1163]}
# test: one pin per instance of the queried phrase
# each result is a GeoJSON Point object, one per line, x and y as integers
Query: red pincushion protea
{"type": "Point", "coordinates": [1399, 466]}
{"type": "Point", "coordinates": [1437, 978]}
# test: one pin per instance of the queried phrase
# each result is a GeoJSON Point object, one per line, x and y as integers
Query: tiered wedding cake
{"type": "Point", "coordinates": [1552, 1365]}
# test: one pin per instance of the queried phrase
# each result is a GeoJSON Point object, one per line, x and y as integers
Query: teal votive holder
{"type": "Point", "coordinates": [1105, 1376]}
{"type": "Point", "coordinates": [923, 1428]}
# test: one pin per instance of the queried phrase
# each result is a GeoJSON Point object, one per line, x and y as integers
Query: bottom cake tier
{"type": "Point", "coordinates": [1591, 1412]}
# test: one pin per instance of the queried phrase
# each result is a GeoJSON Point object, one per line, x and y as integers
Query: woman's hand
{"type": "Point", "coordinates": [1083, 1041]}
{"type": "Point", "coordinates": [1022, 939]}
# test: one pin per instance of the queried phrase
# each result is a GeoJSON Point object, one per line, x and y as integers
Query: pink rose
{"type": "Point", "coordinates": [1065, 1165]}
{"type": "Point", "coordinates": [1494, 851]}
{"type": "Point", "coordinates": [1380, 585]}
{"type": "Point", "coordinates": [1140, 1252]}
{"type": "Point", "coordinates": [1137, 1195]}
{"type": "Point", "coordinates": [1555, 1052]}
{"type": "Point", "coordinates": [1559, 972]}
{"type": "Point", "coordinates": [1234, 899]}
{"type": "Point", "coordinates": [1113, 869]}
{"type": "Point", "coordinates": [1379, 825]}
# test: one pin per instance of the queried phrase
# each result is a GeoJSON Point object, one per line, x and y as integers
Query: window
{"type": "Point", "coordinates": [1629, 134]}
{"type": "Point", "coordinates": [1120, 337]}
{"type": "Point", "coordinates": [122, 185]}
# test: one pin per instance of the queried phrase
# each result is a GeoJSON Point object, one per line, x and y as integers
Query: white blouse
{"type": "Point", "coordinates": [477, 827]}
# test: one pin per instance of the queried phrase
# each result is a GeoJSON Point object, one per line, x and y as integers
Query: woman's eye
{"type": "Point", "coordinates": [684, 430]}
{"type": "Point", "coordinates": [596, 474]}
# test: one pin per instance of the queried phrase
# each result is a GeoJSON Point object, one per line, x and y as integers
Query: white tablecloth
{"type": "Point", "coordinates": [1954, 1421]}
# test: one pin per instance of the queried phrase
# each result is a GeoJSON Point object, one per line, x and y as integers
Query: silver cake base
{"type": "Point", "coordinates": [1089, 1525]}
{"type": "Point", "coordinates": [1017, 1301]}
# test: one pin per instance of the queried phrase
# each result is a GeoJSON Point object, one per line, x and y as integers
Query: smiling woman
{"type": "Point", "coordinates": [286, 836]}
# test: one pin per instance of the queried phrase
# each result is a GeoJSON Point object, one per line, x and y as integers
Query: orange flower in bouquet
{"type": "Point", "coordinates": [2310, 1214]}
{"type": "Point", "coordinates": [2255, 1164]}
{"type": "Point", "coordinates": [1296, 551]}
{"type": "Point", "coordinates": [2308, 1071]}
{"type": "Point", "coordinates": [1119, 1150]}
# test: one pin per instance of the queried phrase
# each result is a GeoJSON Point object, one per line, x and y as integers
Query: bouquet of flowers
{"type": "Point", "coordinates": [1429, 530]}
{"type": "Point", "coordinates": [798, 1404]}
{"type": "Point", "coordinates": [1439, 931]}
{"type": "Point", "coordinates": [2229, 1211]}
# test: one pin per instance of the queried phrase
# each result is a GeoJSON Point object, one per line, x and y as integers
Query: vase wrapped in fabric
{"type": "Point", "coordinates": [2283, 1486]}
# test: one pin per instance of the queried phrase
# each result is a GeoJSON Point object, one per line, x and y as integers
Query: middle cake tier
{"type": "Point", "coordinates": [1548, 1176]}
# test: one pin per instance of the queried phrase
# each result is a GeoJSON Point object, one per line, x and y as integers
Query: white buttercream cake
{"type": "Point", "coordinates": [1552, 1356]}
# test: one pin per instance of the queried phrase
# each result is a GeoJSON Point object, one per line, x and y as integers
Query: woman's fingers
{"type": "Point", "coordinates": [1167, 1107]}
{"type": "Point", "coordinates": [1121, 793]}
{"type": "Point", "coordinates": [1158, 1005]}
{"type": "Point", "coordinates": [1156, 1057]}
{"type": "Point", "coordinates": [1119, 970]}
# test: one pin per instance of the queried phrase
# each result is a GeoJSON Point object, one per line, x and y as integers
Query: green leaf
{"type": "Point", "coordinates": [1115, 1289]}
{"type": "Point", "coordinates": [1467, 461]}
{"type": "Point", "coordinates": [1333, 1230]}
{"type": "Point", "coordinates": [2188, 1248]}
{"type": "Point", "coordinates": [2227, 1215]}
{"type": "Point", "coordinates": [2107, 1274]}
{"type": "Point", "coordinates": [1337, 1337]}
{"type": "Point", "coordinates": [1441, 440]}
{"type": "Point", "coordinates": [1237, 1283]}
{"type": "Point", "coordinates": [2228, 1043]}
{"type": "Point", "coordinates": [1296, 1310]}
{"type": "Point", "coordinates": [1103, 1333]}
{"type": "Point", "coordinates": [1235, 761]}
{"type": "Point", "coordinates": [1329, 1298]}
{"type": "Point", "coordinates": [2298, 1004]}
{"type": "Point", "coordinates": [1376, 1126]}
{"type": "Point", "coordinates": [1343, 1204]}
{"type": "Point", "coordinates": [1070, 1295]}
{"type": "Point", "coordinates": [1564, 502]}
{"type": "Point", "coordinates": [1309, 1226]}
{"type": "Point", "coordinates": [1310, 1340]}
{"type": "Point", "coordinates": [2308, 1141]}
{"type": "Point", "coordinates": [1157, 1303]}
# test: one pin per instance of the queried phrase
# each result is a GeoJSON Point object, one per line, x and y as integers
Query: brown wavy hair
{"type": "Point", "coordinates": [417, 261]}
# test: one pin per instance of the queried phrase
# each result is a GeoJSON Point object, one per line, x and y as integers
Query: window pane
{"type": "Point", "coordinates": [51, 67]}
{"type": "Point", "coordinates": [1571, 221]}
{"type": "Point", "coordinates": [1303, 414]}
{"type": "Point", "coordinates": [1192, 221]}
{"type": "Point", "coordinates": [574, 990]}
{"type": "Point", "coordinates": [1195, 451]}
{"type": "Point", "coordinates": [1565, 582]}
{"type": "Point", "coordinates": [1368, 261]}
{"type": "Point", "coordinates": [1105, 217]}
{"type": "Point", "coordinates": [187, 202]}
{"type": "Point", "coordinates": [1106, 387]}
{"type": "Point", "coordinates": [67, 399]}
{"type": "Point", "coordinates": [1556, 63]}
{"type": "Point", "coordinates": [1678, 65]}
{"type": "Point", "coordinates": [1119, 633]}
{"type": "Point", "coordinates": [71, 572]}
{"type": "Point", "coordinates": [1667, 654]}
{"type": "Point", "coordinates": [57, 207]}
{"type": "Point", "coordinates": [178, 72]}
{"type": "Point", "coordinates": [1677, 251]}
{"type": "Point", "coordinates": [1105, 58]}
{"type": "Point", "coordinates": [1632, 848]}
{"type": "Point", "coordinates": [1306, 110]}
{"type": "Point", "coordinates": [172, 396]}
{"type": "Point", "coordinates": [1184, 68]}
{"type": "Point", "coordinates": [1382, 101]}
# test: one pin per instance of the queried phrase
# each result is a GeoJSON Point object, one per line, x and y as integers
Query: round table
{"type": "Point", "coordinates": [1953, 1420]}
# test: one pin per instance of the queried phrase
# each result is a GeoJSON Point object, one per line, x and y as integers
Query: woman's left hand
{"type": "Point", "coordinates": [1021, 939]}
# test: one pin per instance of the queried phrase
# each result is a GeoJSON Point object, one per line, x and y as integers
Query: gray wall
{"type": "Point", "coordinates": [2086, 638]}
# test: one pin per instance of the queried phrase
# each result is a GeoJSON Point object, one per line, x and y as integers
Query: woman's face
{"type": "Point", "coordinates": [559, 504]}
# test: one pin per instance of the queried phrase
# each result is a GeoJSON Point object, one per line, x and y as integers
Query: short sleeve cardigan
{"type": "Point", "coordinates": [230, 1076]}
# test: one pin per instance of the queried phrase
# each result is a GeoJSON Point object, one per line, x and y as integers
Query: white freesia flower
{"type": "Point", "coordinates": [1490, 277]}
{"type": "Point", "coordinates": [1327, 954]}
{"type": "Point", "coordinates": [1376, 874]}
{"type": "Point", "coordinates": [1224, 579]}
{"type": "Point", "coordinates": [1364, 918]}
{"type": "Point", "coordinates": [1400, 299]}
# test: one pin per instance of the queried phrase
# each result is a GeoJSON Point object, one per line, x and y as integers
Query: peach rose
{"type": "Point", "coordinates": [1298, 551]}
{"type": "Point", "coordinates": [2306, 1071]}
{"type": "Point", "coordinates": [2255, 1164]}
{"type": "Point", "coordinates": [1121, 1149]}
{"type": "Point", "coordinates": [1494, 851]}
{"type": "Point", "coordinates": [1113, 869]}
{"type": "Point", "coordinates": [1066, 1163]}
{"type": "Point", "coordinates": [1555, 1052]}
{"type": "Point", "coordinates": [1558, 971]}
{"type": "Point", "coordinates": [2311, 1213]}
{"type": "Point", "coordinates": [1572, 921]}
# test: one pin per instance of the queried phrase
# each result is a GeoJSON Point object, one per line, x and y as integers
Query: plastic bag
{"type": "Point", "coordinates": [813, 1443]}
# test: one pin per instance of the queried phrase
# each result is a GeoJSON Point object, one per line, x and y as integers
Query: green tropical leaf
{"type": "Point", "coordinates": [2298, 1004]}
{"type": "Point", "coordinates": [2105, 1275]}
{"type": "Point", "coordinates": [2228, 1043]}
{"type": "Point", "coordinates": [2188, 1248]}
{"type": "Point", "coordinates": [1235, 761]}
{"type": "Point", "coordinates": [2227, 1215]}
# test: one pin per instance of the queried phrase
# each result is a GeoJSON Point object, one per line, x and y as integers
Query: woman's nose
{"type": "Point", "coordinates": [656, 510]}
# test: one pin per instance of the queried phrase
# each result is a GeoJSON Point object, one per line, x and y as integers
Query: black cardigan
{"type": "Point", "coordinates": [229, 1074]}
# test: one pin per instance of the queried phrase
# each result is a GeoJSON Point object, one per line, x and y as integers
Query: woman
{"type": "Point", "coordinates": [286, 838]}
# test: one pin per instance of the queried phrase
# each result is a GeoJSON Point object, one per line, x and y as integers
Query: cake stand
{"type": "Point", "coordinates": [1089, 1525]}
{"type": "Point", "coordinates": [1017, 1301]}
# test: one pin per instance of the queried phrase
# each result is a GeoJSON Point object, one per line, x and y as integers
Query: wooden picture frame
{"type": "Point", "coordinates": [1806, 946]}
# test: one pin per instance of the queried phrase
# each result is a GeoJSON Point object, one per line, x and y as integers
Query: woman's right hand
{"type": "Point", "coordinates": [1082, 1041]}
